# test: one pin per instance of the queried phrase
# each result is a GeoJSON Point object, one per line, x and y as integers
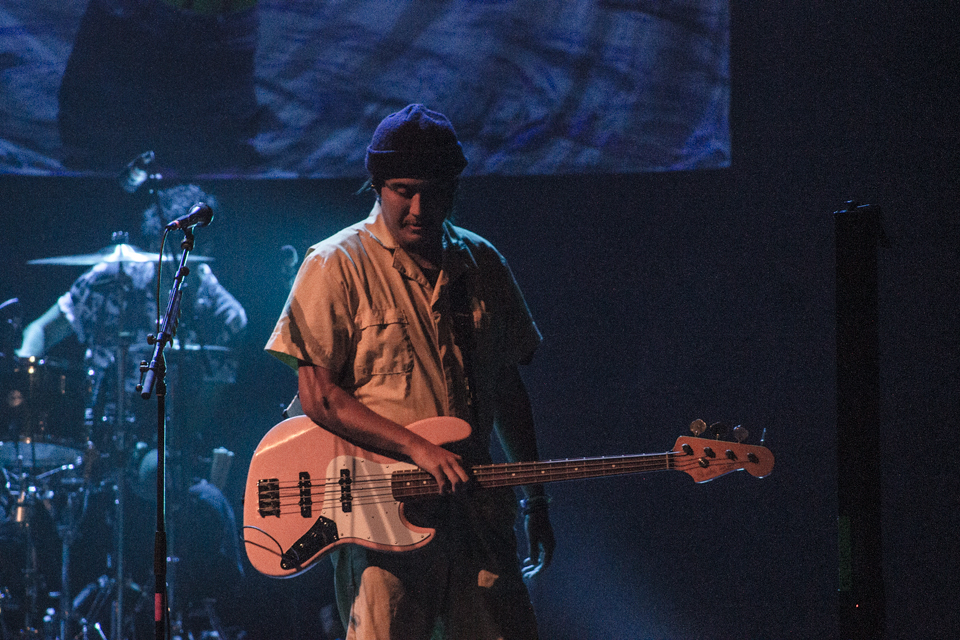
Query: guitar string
{"type": "Point", "coordinates": [386, 496]}
{"type": "Point", "coordinates": [511, 470]}
{"type": "Point", "coordinates": [382, 492]}
{"type": "Point", "coordinates": [419, 482]}
{"type": "Point", "coordinates": [377, 489]}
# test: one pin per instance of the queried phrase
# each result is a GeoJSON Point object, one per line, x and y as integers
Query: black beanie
{"type": "Point", "coordinates": [415, 143]}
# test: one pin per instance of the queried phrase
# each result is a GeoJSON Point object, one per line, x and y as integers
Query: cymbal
{"type": "Point", "coordinates": [112, 253]}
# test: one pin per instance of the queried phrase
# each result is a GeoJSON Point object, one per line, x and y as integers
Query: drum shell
{"type": "Point", "coordinates": [42, 402]}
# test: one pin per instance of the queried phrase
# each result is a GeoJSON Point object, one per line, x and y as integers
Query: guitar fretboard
{"type": "Point", "coordinates": [410, 484]}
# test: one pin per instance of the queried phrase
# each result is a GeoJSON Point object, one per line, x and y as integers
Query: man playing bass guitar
{"type": "Point", "coordinates": [402, 317]}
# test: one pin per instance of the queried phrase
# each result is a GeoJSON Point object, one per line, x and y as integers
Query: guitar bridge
{"type": "Point", "coordinates": [268, 497]}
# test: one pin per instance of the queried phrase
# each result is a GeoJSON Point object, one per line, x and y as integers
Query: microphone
{"type": "Point", "coordinates": [200, 216]}
{"type": "Point", "coordinates": [136, 174]}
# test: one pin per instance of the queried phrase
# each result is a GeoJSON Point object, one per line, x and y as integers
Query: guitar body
{"type": "Point", "coordinates": [309, 491]}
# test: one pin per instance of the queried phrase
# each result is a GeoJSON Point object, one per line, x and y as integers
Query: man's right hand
{"type": "Point", "coordinates": [445, 466]}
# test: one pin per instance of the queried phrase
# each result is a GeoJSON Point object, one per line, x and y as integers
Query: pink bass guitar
{"type": "Point", "coordinates": [309, 491]}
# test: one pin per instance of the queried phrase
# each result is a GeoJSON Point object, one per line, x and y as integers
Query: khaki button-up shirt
{"type": "Point", "coordinates": [361, 307]}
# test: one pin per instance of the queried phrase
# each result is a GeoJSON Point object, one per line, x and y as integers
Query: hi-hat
{"type": "Point", "coordinates": [113, 253]}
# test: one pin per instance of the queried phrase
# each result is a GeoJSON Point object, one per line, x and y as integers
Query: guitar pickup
{"type": "Point", "coordinates": [306, 500]}
{"type": "Point", "coordinates": [346, 491]}
{"type": "Point", "coordinates": [268, 497]}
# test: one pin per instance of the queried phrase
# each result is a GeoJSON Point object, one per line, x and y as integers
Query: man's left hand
{"type": "Point", "coordinates": [541, 542]}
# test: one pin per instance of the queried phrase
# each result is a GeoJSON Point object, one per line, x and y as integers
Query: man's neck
{"type": "Point", "coordinates": [427, 255]}
{"type": "Point", "coordinates": [428, 260]}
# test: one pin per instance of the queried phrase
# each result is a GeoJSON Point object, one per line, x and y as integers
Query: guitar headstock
{"type": "Point", "coordinates": [704, 459]}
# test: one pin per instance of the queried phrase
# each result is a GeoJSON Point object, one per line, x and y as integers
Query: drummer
{"type": "Point", "coordinates": [113, 304]}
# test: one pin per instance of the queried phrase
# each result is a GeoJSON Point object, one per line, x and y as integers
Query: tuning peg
{"type": "Point", "coordinates": [698, 426]}
{"type": "Point", "coordinates": [740, 434]}
{"type": "Point", "coordinates": [719, 429]}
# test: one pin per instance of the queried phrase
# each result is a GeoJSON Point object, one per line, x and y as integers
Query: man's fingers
{"type": "Point", "coordinates": [454, 475]}
{"type": "Point", "coordinates": [448, 480]}
{"type": "Point", "coordinates": [443, 484]}
{"type": "Point", "coordinates": [531, 568]}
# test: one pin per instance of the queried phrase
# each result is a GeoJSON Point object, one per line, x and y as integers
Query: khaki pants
{"type": "Point", "coordinates": [463, 585]}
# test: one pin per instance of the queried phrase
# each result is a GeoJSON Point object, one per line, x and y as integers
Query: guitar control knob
{"type": "Point", "coordinates": [740, 434]}
{"type": "Point", "coordinates": [698, 426]}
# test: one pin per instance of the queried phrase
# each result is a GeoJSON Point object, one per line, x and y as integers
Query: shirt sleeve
{"type": "Point", "coordinates": [514, 331]}
{"type": "Point", "coordinates": [84, 305]}
{"type": "Point", "coordinates": [317, 325]}
{"type": "Point", "coordinates": [521, 335]}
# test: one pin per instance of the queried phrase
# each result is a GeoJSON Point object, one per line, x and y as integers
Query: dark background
{"type": "Point", "coordinates": [663, 298]}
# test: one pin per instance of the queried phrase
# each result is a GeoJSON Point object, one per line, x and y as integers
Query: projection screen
{"type": "Point", "coordinates": [294, 88]}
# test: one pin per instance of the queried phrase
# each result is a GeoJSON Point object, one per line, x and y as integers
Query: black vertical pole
{"type": "Point", "coordinates": [861, 595]}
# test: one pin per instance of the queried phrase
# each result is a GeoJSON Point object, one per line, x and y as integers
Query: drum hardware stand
{"type": "Point", "coordinates": [22, 512]}
{"type": "Point", "coordinates": [4, 596]}
{"type": "Point", "coordinates": [118, 562]}
{"type": "Point", "coordinates": [100, 591]}
{"type": "Point", "coordinates": [21, 515]}
{"type": "Point", "coordinates": [91, 601]}
{"type": "Point", "coordinates": [68, 534]}
{"type": "Point", "coordinates": [120, 420]}
{"type": "Point", "coordinates": [33, 491]}
{"type": "Point", "coordinates": [120, 484]}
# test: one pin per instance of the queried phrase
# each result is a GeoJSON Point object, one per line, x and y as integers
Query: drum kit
{"type": "Point", "coordinates": [67, 466]}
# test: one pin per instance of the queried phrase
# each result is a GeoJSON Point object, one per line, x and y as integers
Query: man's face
{"type": "Point", "coordinates": [414, 211]}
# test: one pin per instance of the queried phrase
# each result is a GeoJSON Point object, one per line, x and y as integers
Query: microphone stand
{"type": "Point", "coordinates": [154, 375]}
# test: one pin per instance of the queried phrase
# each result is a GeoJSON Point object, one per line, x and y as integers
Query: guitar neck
{"type": "Point", "coordinates": [415, 483]}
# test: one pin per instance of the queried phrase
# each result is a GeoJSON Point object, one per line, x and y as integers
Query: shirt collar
{"type": "Point", "coordinates": [376, 226]}
{"type": "Point", "coordinates": [456, 256]}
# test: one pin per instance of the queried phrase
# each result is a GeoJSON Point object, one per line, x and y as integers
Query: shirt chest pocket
{"type": "Point", "coordinates": [384, 347]}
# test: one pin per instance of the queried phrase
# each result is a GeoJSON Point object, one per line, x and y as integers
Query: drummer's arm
{"type": "Point", "coordinates": [225, 307]}
{"type": "Point", "coordinates": [44, 332]}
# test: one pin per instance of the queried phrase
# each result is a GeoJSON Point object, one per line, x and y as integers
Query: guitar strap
{"type": "Point", "coordinates": [464, 335]}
